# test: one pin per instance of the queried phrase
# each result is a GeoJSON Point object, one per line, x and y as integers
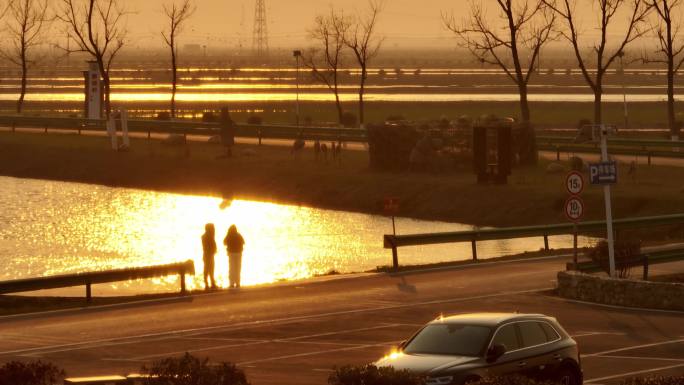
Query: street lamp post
{"type": "Point", "coordinates": [297, 54]}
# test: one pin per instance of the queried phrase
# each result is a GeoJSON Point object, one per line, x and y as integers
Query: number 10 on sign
{"type": "Point", "coordinates": [574, 208]}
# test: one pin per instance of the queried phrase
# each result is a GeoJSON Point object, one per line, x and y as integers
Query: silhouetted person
{"type": "Point", "coordinates": [209, 251]}
{"type": "Point", "coordinates": [234, 245]}
{"type": "Point", "coordinates": [227, 132]}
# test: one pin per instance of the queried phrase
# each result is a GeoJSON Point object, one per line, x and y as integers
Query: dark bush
{"type": "Point", "coordinates": [31, 373]}
{"type": "Point", "coordinates": [674, 380]}
{"type": "Point", "coordinates": [511, 380]}
{"type": "Point", "coordinates": [190, 370]}
{"type": "Point", "coordinates": [208, 117]}
{"type": "Point", "coordinates": [390, 146]}
{"type": "Point", "coordinates": [255, 119]}
{"type": "Point", "coordinates": [164, 115]}
{"type": "Point", "coordinates": [349, 120]}
{"type": "Point", "coordinates": [372, 375]}
{"type": "Point", "coordinates": [625, 252]}
{"type": "Point", "coordinates": [576, 163]}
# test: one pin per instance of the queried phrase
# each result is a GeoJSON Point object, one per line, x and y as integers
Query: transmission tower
{"type": "Point", "coordinates": [260, 34]}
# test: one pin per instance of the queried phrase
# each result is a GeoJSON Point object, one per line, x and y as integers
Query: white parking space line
{"type": "Point", "coordinates": [589, 334]}
{"type": "Point", "coordinates": [319, 352]}
{"type": "Point", "coordinates": [643, 358]}
{"type": "Point", "coordinates": [627, 374]}
{"type": "Point", "coordinates": [249, 324]}
{"type": "Point", "coordinates": [632, 348]}
{"type": "Point", "coordinates": [290, 339]}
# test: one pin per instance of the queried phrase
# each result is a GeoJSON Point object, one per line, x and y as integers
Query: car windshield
{"type": "Point", "coordinates": [449, 339]}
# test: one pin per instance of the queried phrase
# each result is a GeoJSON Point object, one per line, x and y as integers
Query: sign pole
{"type": "Point", "coordinates": [609, 211]}
{"type": "Point", "coordinates": [574, 243]}
{"type": "Point", "coordinates": [394, 228]}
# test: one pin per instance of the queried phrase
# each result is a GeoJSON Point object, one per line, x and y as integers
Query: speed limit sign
{"type": "Point", "coordinates": [574, 208]}
{"type": "Point", "coordinates": [574, 183]}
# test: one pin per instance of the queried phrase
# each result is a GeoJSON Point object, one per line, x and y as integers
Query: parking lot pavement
{"type": "Point", "coordinates": [297, 335]}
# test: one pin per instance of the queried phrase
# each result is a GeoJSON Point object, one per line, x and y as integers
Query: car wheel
{"type": "Point", "coordinates": [569, 376]}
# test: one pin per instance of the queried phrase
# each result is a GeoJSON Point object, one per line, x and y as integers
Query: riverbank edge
{"type": "Point", "coordinates": [533, 197]}
{"type": "Point", "coordinates": [78, 304]}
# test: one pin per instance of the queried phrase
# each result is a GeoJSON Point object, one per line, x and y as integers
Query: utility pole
{"type": "Point", "coordinates": [260, 33]}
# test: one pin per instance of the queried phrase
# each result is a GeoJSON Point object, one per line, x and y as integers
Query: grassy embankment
{"type": "Point", "coordinates": [531, 197]}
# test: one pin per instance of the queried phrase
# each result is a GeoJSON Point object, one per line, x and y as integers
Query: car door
{"type": "Point", "coordinates": [538, 348]}
{"type": "Point", "coordinates": [510, 362]}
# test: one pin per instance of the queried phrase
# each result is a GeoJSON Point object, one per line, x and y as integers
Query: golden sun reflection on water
{"type": "Point", "coordinates": [54, 228]}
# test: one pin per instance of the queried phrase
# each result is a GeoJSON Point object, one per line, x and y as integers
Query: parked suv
{"type": "Point", "coordinates": [464, 348]}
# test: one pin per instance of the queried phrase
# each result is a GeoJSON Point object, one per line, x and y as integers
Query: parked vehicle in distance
{"type": "Point", "coordinates": [464, 348]}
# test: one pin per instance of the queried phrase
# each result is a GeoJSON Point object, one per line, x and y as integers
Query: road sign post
{"type": "Point", "coordinates": [605, 173]}
{"type": "Point", "coordinates": [574, 206]}
{"type": "Point", "coordinates": [391, 207]}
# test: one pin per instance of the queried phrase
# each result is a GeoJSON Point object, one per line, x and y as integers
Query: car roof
{"type": "Point", "coordinates": [488, 319]}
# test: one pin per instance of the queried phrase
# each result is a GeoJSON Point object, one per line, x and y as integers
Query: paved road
{"type": "Point", "coordinates": [287, 334]}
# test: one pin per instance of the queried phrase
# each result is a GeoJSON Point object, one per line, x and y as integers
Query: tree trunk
{"type": "Point", "coordinates": [24, 76]}
{"type": "Point", "coordinates": [174, 84]}
{"type": "Point", "coordinates": [598, 113]}
{"type": "Point", "coordinates": [527, 148]}
{"type": "Point", "coordinates": [364, 74]}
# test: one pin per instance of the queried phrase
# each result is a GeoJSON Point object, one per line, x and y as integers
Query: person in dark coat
{"type": "Point", "coordinates": [209, 251]}
{"type": "Point", "coordinates": [227, 132]}
{"type": "Point", "coordinates": [234, 245]}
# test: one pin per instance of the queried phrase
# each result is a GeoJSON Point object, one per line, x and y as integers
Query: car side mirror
{"type": "Point", "coordinates": [495, 352]}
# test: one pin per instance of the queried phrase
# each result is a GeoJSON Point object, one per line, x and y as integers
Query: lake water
{"type": "Point", "coordinates": [49, 228]}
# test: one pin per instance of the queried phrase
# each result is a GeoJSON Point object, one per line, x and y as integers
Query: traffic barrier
{"type": "Point", "coordinates": [473, 236]}
{"type": "Point", "coordinates": [189, 128]}
{"type": "Point", "coordinates": [90, 278]}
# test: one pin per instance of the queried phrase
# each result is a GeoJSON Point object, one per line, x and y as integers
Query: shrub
{"type": "Point", "coordinates": [674, 380]}
{"type": "Point", "coordinates": [625, 252]}
{"type": "Point", "coordinates": [164, 115]}
{"type": "Point", "coordinates": [208, 117]}
{"type": "Point", "coordinates": [511, 380]}
{"type": "Point", "coordinates": [390, 146]}
{"type": "Point", "coordinates": [349, 120]}
{"type": "Point", "coordinates": [190, 370]}
{"type": "Point", "coordinates": [372, 375]}
{"type": "Point", "coordinates": [255, 119]}
{"type": "Point", "coordinates": [31, 373]}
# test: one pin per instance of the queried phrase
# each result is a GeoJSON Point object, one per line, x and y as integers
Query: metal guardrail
{"type": "Point", "coordinates": [473, 236]}
{"type": "Point", "coordinates": [150, 127]}
{"type": "Point", "coordinates": [91, 278]}
{"type": "Point", "coordinates": [620, 146]}
{"type": "Point", "coordinates": [644, 260]}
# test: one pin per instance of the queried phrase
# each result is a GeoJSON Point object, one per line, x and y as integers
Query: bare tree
{"type": "Point", "coordinates": [97, 28]}
{"type": "Point", "coordinates": [513, 46]}
{"type": "Point", "coordinates": [325, 60]}
{"type": "Point", "coordinates": [176, 16]}
{"type": "Point", "coordinates": [607, 9]}
{"type": "Point", "coordinates": [669, 51]}
{"type": "Point", "coordinates": [362, 41]}
{"type": "Point", "coordinates": [25, 31]}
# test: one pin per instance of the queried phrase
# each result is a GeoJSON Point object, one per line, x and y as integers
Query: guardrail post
{"type": "Point", "coordinates": [182, 281]}
{"type": "Point", "coordinates": [473, 245]}
{"type": "Point", "coordinates": [546, 242]}
{"type": "Point", "coordinates": [46, 127]}
{"type": "Point", "coordinates": [645, 267]}
{"type": "Point", "coordinates": [89, 293]}
{"type": "Point", "coordinates": [259, 135]}
{"type": "Point", "coordinates": [558, 153]}
{"type": "Point", "coordinates": [395, 258]}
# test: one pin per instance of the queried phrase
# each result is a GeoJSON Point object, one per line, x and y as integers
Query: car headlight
{"type": "Point", "coordinates": [443, 380]}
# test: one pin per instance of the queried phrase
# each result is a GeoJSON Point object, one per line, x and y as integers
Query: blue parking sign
{"type": "Point", "coordinates": [603, 173]}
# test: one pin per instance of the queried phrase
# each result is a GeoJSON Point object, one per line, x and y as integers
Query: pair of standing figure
{"type": "Point", "coordinates": [234, 245]}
